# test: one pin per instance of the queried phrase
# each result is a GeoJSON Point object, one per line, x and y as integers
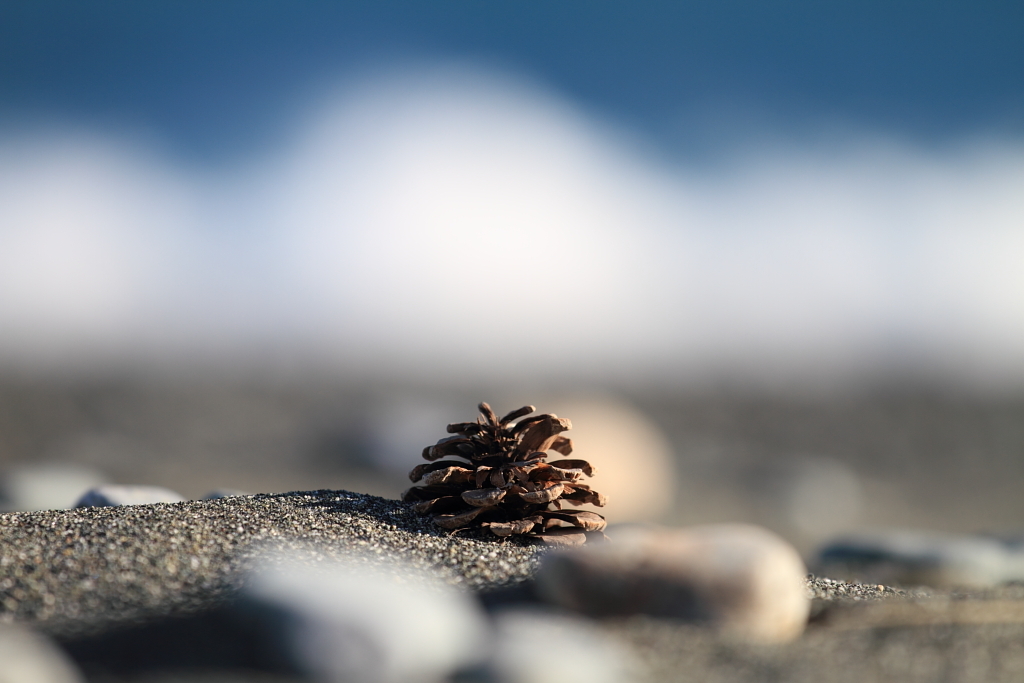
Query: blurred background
{"type": "Point", "coordinates": [768, 257]}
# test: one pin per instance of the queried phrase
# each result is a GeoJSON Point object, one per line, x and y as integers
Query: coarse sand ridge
{"type": "Point", "coordinates": [65, 569]}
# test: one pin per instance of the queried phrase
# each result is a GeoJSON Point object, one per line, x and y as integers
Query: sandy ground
{"type": "Point", "coordinates": [65, 569]}
{"type": "Point", "coordinates": [77, 574]}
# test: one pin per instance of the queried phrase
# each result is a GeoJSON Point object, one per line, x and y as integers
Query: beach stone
{"type": "Point", "coordinates": [27, 657]}
{"type": "Point", "coordinates": [634, 462]}
{"type": "Point", "coordinates": [907, 557]}
{"type": "Point", "coordinates": [815, 497]}
{"type": "Point", "coordinates": [46, 486]}
{"type": "Point", "coordinates": [112, 495]}
{"type": "Point", "coordinates": [740, 579]}
{"type": "Point", "coordinates": [351, 621]}
{"type": "Point", "coordinates": [560, 648]}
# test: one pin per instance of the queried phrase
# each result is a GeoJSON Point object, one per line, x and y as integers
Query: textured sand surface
{"type": "Point", "coordinates": [65, 569]}
{"type": "Point", "coordinates": [80, 571]}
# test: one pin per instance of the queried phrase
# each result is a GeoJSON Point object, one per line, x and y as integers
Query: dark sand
{"type": "Point", "coordinates": [65, 570]}
{"type": "Point", "coordinates": [69, 572]}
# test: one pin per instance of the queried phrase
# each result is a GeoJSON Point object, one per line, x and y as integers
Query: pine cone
{"type": "Point", "coordinates": [502, 481]}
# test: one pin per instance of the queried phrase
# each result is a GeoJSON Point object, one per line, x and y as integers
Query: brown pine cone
{"type": "Point", "coordinates": [502, 481]}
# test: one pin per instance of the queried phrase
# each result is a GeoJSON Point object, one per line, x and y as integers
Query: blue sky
{"type": "Point", "coordinates": [215, 79]}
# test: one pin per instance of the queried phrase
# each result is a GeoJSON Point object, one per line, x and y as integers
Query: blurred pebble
{"type": "Point", "coordinates": [27, 657]}
{"type": "Point", "coordinates": [531, 646]}
{"type": "Point", "coordinates": [923, 558]}
{"type": "Point", "coordinates": [743, 580]}
{"type": "Point", "coordinates": [217, 494]}
{"type": "Point", "coordinates": [399, 426]}
{"type": "Point", "coordinates": [112, 495]}
{"type": "Point", "coordinates": [636, 468]}
{"type": "Point", "coordinates": [818, 496]}
{"type": "Point", "coordinates": [49, 486]}
{"type": "Point", "coordinates": [344, 622]}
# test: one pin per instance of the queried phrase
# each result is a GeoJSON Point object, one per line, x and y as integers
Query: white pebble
{"type": "Point", "coordinates": [743, 580]}
{"type": "Point", "coordinates": [26, 657]}
{"type": "Point", "coordinates": [344, 622]}
{"type": "Point", "coordinates": [112, 495]}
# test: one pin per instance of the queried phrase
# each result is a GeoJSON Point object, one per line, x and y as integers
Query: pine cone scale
{"type": "Point", "coordinates": [516, 414]}
{"type": "Point", "coordinates": [545, 494]}
{"type": "Point", "coordinates": [518, 427]}
{"type": "Point", "coordinates": [562, 445]}
{"type": "Point", "coordinates": [448, 475]}
{"type": "Point", "coordinates": [483, 497]}
{"type": "Point", "coordinates": [458, 519]}
{"type": "Point", "coordinates": [419, 471]}
{"type": "Point", "coordinates": [456, 445]}
{"type": "Point", "coordinates": [488, 414]}
{"type": "Point", "coordinates": [539, 436]}
{"type": "Point", "coordinates": [466, 428]}
{"type": "Point", "coordinates": [587, 468]}
{"type": "Point", "coordinates": [584, 519]}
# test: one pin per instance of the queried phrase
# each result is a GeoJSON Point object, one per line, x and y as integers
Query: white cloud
{"type": "Point", "coordinates": [456, 219]}
{"type": "Point", "coordinates": [468, 215]}
{"type": "Point", "coordinates": [89, 233]}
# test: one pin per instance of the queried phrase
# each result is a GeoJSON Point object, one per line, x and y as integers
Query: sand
{"type": "Point", "coordinates": [71, 573]}
{"type": "Point", "coordinates": [63, 570]}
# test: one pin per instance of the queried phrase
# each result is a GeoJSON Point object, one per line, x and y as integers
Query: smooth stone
{"type": "Point", "coordinates": [27, 657]}
{"type": "Point", "coordinates": [48, 486]}
{"type": "Point", "coordinates": [560, 649]}
{"type": "Point", "coordinates": [906, 557]}
{"type": "Point", "coordinates": [634, 461]}
{"type": "Point", "coordinates": [353, 622]}
{"type": "Point", "coordinates": [112, 495]}
{"type": "Point", "coordinates": [740, 579]}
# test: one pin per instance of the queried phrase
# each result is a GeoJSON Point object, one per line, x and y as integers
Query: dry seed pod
{"type": "Point", "coordinates": [503, 483]}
